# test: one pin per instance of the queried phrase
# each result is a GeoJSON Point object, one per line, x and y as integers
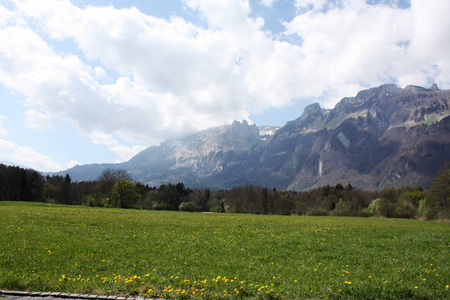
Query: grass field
{"type": "Point", "coordinates": [207, 256]}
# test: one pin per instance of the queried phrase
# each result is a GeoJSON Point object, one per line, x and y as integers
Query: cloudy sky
{"type": "Point", "coordinates": [98, 81]}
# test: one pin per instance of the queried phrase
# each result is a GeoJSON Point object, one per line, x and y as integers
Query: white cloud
{"type": "Point", "coordinates": [305, 5]}
{"type": "Point", "coordinates": [267, 3]}
{"type": "Point", "coordinates": [5, 16]}
{"type": "Point", "coordinates": [173, 77]}
{"type": "Point", "coordinates": [101, 138]}
{"type": "Point", "coordinates": [126, 153]}
{"type": "Point", "coordinates": [3, 131]}
{"type": "Point", "coordinates": [430, 46]}
{"type": "Point", "coordinates": [26, 157]}
{"type": "Point", "coordinates": [123, 152]}
{"type": "Point", "coordinates": [173, 72]}
{"type": "Point", "coordinates": [73, 163]}
{"type": "Point", "coordinates": [355, 45]}
{"type": "Point", "coordinates": [37, 120]}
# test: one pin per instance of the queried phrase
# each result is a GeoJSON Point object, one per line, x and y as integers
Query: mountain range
{"type": "Point", "coordinates": [384, 136]}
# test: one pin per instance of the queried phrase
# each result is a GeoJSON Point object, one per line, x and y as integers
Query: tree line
{"type": "Point", "coordinates": [114, 188]}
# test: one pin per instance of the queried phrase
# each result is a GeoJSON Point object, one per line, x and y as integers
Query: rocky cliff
{"type": "Point", "coordinates": [384, 136]}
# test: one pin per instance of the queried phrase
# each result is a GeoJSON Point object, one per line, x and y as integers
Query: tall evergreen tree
{"type": "Point", "coordinates": [438, 196]}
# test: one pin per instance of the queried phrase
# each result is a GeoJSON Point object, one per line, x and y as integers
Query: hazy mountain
{"type": "Point", "coordinates": [385, 136]}
{"type": "Point", "coordinates": [196, 158]}
{"type": "Point", "coordinates": [190, 159]}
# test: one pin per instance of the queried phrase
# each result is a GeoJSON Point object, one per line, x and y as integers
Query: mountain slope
{"type": "Point", "coordinates": [383, 136]}
{"type": "Point", "coordinates": [199, 156]}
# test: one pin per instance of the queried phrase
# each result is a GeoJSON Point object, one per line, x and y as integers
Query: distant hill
{"type": "Point", "coordinates": [384, 136]}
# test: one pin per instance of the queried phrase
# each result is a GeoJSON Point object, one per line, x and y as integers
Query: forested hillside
{"type": "Point", "coordinates": [114, 188]}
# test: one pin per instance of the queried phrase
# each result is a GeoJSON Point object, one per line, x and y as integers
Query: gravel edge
{"type": "Point", "coordinates": [71, 296]}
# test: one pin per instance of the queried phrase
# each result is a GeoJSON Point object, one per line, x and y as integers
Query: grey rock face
{"type": "Point", "coordinates": [383, 136]}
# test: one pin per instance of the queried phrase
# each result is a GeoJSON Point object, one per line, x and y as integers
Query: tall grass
{"type": "Point", "coordinates": [207, 256]}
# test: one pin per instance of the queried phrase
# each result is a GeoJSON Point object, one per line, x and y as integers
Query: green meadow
{"type": "Point", "coordinates": [182, 255]}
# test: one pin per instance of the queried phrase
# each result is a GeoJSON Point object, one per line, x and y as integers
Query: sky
{"type": "Point", "coordinates": [99, 81]}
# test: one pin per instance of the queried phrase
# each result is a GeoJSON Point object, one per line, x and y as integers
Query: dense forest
{"type": "Point", "coordinates": [114, 188]}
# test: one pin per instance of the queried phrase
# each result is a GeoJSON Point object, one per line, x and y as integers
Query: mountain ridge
{"type": "Point", "coordinates": [384, 136]}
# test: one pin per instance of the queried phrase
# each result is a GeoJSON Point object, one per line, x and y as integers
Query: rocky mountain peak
{"type": "Point", "coordinates": [312, 110]}
{"type": "Point", "coordinates": [242, 130]}
{"type": "Point", "coordinates": [384, 136]}
{"type": "Point", "coordinates": [312, 115]}
{"type": "Point", "coordinates": [366, 98]}
{"type": "Point", "coordinates": [377, 92]}
{"type": "Point", "coordinates": [434, 87]}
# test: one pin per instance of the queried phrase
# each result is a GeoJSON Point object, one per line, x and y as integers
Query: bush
{"type": "Point", "coordinates": [188, 206]}
{"type": "Point", "coordinates": [404, 209]}
{"type": "Point", "coordinates": [373, 208]}
{"type": "Point", "coordinates": [301, 208]}
{"type": "Point", "coordinates": [318, 211]}
{"type": "Point", "coordinates": [341, 209]}
{"type": "Point", "coordinates": [162, 206]}
{"type": "Point", "coordinates": [425, 211]}
{"type": "Point", "coordinates": [217, 209]}
{"type": "Point", "coordinates": [365, 213]}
